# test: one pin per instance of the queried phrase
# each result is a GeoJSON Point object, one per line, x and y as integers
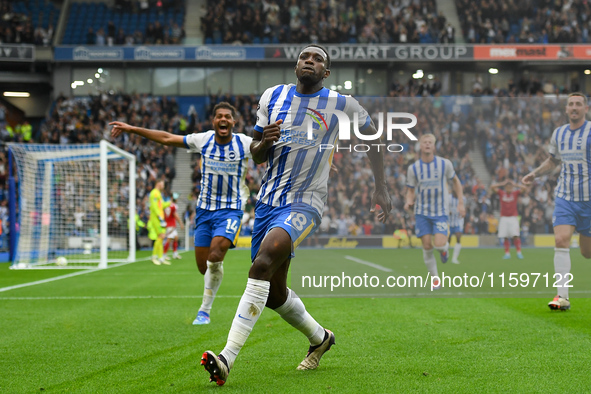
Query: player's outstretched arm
{"type": "Point", "coordinates": [159, 136]}
{"type": "Point", "coordinates": [522, 188]}
{"type": "Point", "coordinates": [380, 196]}
{"type": "Point", "coordinates": [262, 142]}
{"type": "Point", "coordinates": [546, 167]}
{"type": "Point", "coordinates": [459, 192]}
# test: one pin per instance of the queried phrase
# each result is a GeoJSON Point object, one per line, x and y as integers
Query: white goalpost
{"type": "Point", "coordinates": [76, 205]}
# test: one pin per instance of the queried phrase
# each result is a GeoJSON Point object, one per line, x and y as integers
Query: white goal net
{"type": "Point", "coordinates": [75, 205]}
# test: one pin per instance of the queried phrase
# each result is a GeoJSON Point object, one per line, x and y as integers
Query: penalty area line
{"type": "Point", "coordinates": [369, 264]}
{"type": "Point", "coordinates": [40, 282]}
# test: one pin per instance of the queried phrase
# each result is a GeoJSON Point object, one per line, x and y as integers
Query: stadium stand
{"type": "Point", "coordinates": [513, 126]}
{"type": "Point", "coordinates": [293, 21]}
{"type": "Point", "coordinates": [525, 22]}
{"type": "Point", "coordinates": [501, 132]}
{"type": "Point", "coordinates": [28, 22]}
{"type": "Point", "coordinates": [505, 134]}
{"type": "Point", "coordinates": [127, 23]}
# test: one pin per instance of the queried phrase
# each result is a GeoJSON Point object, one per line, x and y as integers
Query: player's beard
{"type": "Point", "coordinates": [309, 78]}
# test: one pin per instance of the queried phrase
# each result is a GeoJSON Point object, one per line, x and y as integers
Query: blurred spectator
{"type": "Point", "coordinates": [90, 37]}
{"type": "Point", "coordinates": [100, 37]}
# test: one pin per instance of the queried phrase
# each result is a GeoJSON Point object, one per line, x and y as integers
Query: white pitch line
{"type": "Point", "coordinates": [39, 282]}
{"type": "Point", "coordinates": [369, 264]}
{"type": "Point", "coordinates": [131, 297]}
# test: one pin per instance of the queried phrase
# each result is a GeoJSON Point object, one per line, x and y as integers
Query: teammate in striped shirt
{"type": "Point", "coordinates": [291, 201]}
{"type": "Point", "coordinates": [427, 189]}
{"type": "Point", "coordinates": [223, 192]}
{"type": "Point", "coordinates": [570, 146]}
{"type": "Point", "coordinates": [172, 217]}
{"type": "Point", "coordinates": [456, 225]}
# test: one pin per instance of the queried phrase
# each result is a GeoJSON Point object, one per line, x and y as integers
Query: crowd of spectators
{"type": "Point", "coordinates": [347, 209]}
{"type": "Point", "coordinates": [511, 126]}
{"type": "Point", "coordinates": [323, 21]}
{"type": "Point", "coordinates": [155, 34]}
{"type": "Point", "coordinates": [20, 27]}
{"type": "Point", "coordinates": [525, 21]}
{"type": "Point", "coordinates": [514, 132]}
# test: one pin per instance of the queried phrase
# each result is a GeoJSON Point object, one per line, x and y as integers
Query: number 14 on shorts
{"type": "Point", "coordinates": [232, 226]}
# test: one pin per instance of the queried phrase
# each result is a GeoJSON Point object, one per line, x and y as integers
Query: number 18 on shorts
{"type": "Point", "coordinates": [298, 221]}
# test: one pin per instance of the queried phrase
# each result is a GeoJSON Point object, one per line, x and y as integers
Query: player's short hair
{"type": "Point", "coordinates": [578, 94]}
{"type": "Point", "coordinates": [428, 135]}
{"type": "Point", "coordinates": [325, 51]}
{"type": "Point", "coordinates": [225, 105]}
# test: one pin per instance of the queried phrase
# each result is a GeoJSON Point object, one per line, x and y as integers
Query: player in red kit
{"type": "Point", "coordinates": [171, 217]}
{"type": "Point", "coordinates": [509, 222]}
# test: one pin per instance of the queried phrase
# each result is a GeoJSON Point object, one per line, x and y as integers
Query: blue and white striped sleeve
{"type": "Point", "coordinates": [194, 142]}
{"type": "Point", "coordinates": [353, 107]}
{"type": "Point", "coordinates": [411, 178]}
{"type": "Point", "coordinates": [263, 110]}
{"type": "Point", "coordinates": [246, 141]}
{"type": "Point", "coordinates": [449, 169]}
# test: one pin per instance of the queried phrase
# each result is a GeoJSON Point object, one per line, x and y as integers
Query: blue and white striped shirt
{"type": "Point", "coordinates": [223, 169]}
{"type": "Point", "coordinates": [297, 170]}
{"type": "Point", "coordinates": [430, 181]}
{"type": "Point", "coordinates": [573, 148]}
{"type": "Point", "coordinates": [455, 220]}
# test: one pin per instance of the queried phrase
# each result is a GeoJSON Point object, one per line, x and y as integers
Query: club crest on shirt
{"type": "Point", "coordinates": [232, 155]}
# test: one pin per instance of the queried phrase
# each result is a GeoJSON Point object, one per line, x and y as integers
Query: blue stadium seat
{"type": "Point", "coordinates": [208, 41]}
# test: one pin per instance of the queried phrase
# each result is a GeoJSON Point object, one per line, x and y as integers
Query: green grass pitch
{"type": "Point", "coordinates": [128, 330]}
